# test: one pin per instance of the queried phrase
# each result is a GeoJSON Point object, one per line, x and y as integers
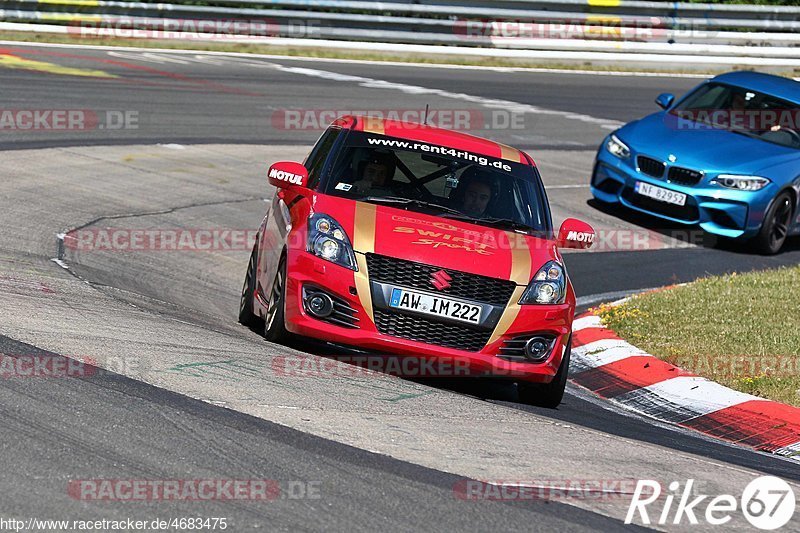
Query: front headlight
{"type": "Point", "coordinates": [741, 183]}
{"type": "Point", "coordinates": [548, 286]}
{"type": "Point", "coordinates": [617, 148]}
{"type": "Point", "coordinates": [327, 239]}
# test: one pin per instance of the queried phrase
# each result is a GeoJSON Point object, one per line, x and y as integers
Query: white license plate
{"type": "Point", "coordinates": [660, 193]}
{"type": "Point", "coordinates": [435, 305]}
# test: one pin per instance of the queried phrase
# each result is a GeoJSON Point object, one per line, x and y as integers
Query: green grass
{"type": "Point", "coordinates": [741, 330]}
{"type": "Point", "coordinates": [343, 54]}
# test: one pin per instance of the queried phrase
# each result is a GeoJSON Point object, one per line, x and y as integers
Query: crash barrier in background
{"type": "Point", "coordinates": [548, 29]}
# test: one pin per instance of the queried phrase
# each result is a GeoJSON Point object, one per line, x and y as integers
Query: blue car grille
{"type": "Point", "coordinates": [651, 167]}
{"type": "Point", "coordinates": [684, 176]}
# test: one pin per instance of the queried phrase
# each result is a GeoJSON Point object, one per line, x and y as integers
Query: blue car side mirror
{"type": "Point", "coordinates": [664, 100]}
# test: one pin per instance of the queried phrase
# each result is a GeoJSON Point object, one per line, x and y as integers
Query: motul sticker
{"type": "Point", "coordinates": [580, 236]}
{"type": "Point", "coordinates": [288, 177]}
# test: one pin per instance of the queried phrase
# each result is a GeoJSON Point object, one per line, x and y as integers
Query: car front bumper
{"type": "Point", "coordinates": [307, 272]}
{"type": "Point", "coordinates": [717, 210]}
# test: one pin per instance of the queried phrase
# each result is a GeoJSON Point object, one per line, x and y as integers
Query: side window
{"type": "Point", "coordinates": [710, 97]}
{"type": "Point", "coordinates": [316, 159]}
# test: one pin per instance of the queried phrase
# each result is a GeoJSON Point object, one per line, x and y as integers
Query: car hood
{"type": "Point", "coordinates": [711, 150]}
{"type": "Point", "coordinates": [437, 241]}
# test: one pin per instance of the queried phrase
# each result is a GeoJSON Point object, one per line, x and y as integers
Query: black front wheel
{"type": "Point", "coordinates": [246, 315]}
{"type": "Point", "coordinates": [776, 225]}
{"type": "Point", "coordinates": [274, 323]}
{"type": "Point", "coordinates": [547, 394]}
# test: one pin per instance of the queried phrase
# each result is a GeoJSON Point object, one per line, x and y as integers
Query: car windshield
{"type": "Point", "coordinates": [439, 180]}
{"type": "Point", "coordinates": [742, 111]}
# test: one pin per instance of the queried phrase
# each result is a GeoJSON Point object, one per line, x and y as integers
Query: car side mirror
{"type": "Point", "coordinates": [664, 100]}
{"type": "Point", "coordinates": [575, 233]}
{"type": "Point", "coordinates": [285, 174]}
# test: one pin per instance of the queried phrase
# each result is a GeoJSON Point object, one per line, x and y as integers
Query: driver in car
{"type": "Point", "coordinates": [376, 174]}
{"type": "Point", "coordinates": [476, 194]}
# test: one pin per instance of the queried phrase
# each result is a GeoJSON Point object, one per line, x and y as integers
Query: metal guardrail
{"type": "Point", "coordinates": [668, 14]}
{"type": "Point", "coordinates": [612, 26]}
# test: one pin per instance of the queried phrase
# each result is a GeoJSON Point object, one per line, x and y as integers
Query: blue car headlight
{"type": "Point", "coordinates": [548, 286]}
{"type": "Point", "coordinates": [617, 148]}
{"type": "Point", "coordinates": [740, 183]}
{"type": "Point", "coordinates": [327, 240]}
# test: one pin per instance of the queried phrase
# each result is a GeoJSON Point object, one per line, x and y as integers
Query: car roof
{"type": "Point", "coordinates": [783, 88]}
{"type": "Point", "coordinates": [422, 133]}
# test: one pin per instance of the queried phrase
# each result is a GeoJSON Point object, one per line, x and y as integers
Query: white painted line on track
{"type": "Point", "coordinates": [148, 55]}
{"type": "Point", "coordinates": [493, 103]}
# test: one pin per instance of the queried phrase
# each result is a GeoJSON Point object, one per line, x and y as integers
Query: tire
{"type": "Point", "coordinates": [547, 394]}
{"type": "Point", "coordinates": [274, 323]}
{"type": "Point", "coordinates": [247, 316]}
{"type": "Point", "coordinates": [775, 227]}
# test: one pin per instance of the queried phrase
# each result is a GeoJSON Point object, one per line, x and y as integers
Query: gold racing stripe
{"type": "Point", "coordinates": [509, 315]}
{"type": "Point", "coordinates": [520, 259]}
{"type": "Point", "coordinates": [508, 153]}
{"type": "Point", "coordinates": [374, 125]}
{"type": "Point", "coordinates": [364, 243]}
{"type": "Point", "coordinates": [521, 275]}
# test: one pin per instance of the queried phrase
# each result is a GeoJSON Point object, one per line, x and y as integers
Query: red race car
{"type": "Point", "coordinates": [419, 242]}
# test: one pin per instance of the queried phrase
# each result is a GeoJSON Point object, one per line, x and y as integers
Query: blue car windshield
{"type": "Point", "coordinates": [441, 181]}
{"type": "Point", "coordinates": [743, 111]}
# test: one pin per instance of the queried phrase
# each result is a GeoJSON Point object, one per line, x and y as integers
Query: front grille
{"type": "Point", "coordinates": [684, 176]}
{"type": "Point", "coordinates": [687, 212]}
{"type": "Point", "coordinates": [430, 332]}
{"type": "Point", "coordinates": [418, 276]}
{"type": "Point", "coordinates": [650, 166]}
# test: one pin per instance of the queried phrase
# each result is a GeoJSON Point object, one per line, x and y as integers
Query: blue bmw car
{"type": "Point", "coordinates": [725, 157]}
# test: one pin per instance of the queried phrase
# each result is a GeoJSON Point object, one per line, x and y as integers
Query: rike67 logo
{"type": "Point", "coordinates": [767, 503]}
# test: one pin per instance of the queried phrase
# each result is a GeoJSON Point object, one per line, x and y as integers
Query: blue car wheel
{"type": "Point", "coordinates": [775, 228]}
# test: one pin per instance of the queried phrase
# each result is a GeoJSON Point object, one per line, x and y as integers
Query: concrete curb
{"type": "Point", "coordinates": [622, 373]}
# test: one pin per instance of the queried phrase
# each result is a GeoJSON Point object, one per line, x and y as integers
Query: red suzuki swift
{"type": "Point", "coordinates": [418, 242]}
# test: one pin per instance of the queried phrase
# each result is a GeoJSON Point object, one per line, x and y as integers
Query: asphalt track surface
{"type": "Point", "coordinates": [148, 423]}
